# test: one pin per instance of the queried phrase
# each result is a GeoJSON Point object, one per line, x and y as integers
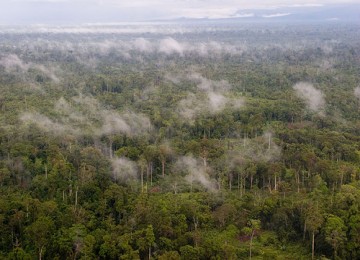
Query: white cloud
{"type": "Point", "coordinates": [275, 15]}
{"type": "Point", "coordinates": [244, 15]}
{"type": "Point", "coordinates": [333, 19]}
{"type": "Point", "coordinates": [123, 169]}
{"type": "Point", "coordinates": [314, 98]}
{"type": "Point", "coordinates": [306, 5]}
{"type": "Point", "coordinates": [210, 13]}
{"type": "Point", "coordinates": [169, 46]}
{"type": "Point", "coordinates": [357, 92]}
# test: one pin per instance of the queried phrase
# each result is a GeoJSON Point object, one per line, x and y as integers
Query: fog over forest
{"type": "Point", "coordinates": [181, 139]}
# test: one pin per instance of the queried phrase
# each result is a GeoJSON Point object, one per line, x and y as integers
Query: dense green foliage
{"type": "Point", "coordinates": [113, 152]}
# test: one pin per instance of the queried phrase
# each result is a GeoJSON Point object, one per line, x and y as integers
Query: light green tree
{"type": "Point", "coordinates": [335, 233]}
{"type": "Point", "coordinates": [250, 229]}
{"type": "Point", "coordinates": [40, 233]}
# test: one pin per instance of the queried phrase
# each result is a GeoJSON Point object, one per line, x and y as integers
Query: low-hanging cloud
{"type": "Point", "coordinates": [49, 72]}
{"type": "Point", "coordinates": [213, 97]}
{"type": "Point", "coordinates": [196, 172]}
{"type": "Point", "coordinates": [217, 102]}
{"type": "Point", "coordinates": [114, 123]}
{"type": "Point", "coordinates": [357, 92]}
{"type": "Point", "coordinates": [170, 46]}
{"type": "Point", "coordinates": [12, 64]}
{"type": "Point", "coordinates": [124, 169]}
{"type": "Point", "coordinates": [313, 97]}
{"type": "Point", "coordinates": [209, 85]}
{"type": "Point", "coordinates": [143, 45]}
{"type": "Point", "coordinates": [259, 149]}
{"type": "Point", "coordinates": [84, 114]}
{"type": "Point", "coordinates": [190, 107]}
{"type": "Point", "coordinates": [48, 125]}
{"type": "Point", "coordinates": [129, 123]}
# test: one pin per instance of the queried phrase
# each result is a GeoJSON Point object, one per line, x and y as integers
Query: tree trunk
{"type": "Point", "coordinates": [76, 196]}
{"type": "Point", "coordinates": [147, 172]}
{"type": "Point", "coordinates": [40, 252]}
{"type": "Point", "coordinates": [303, 180]}
{"type": "Point", "coordinates": [163, 168]}
{"type": "Point", "coordinates": [297, 178]}
{"type": "Point", "coordinates": [110, 149]}
{"type": "Point", "coordinates": [251, 240]}
{"type": "Point", "coordinates": [142, 179]}
{"type": "Point", "coordinates": [313, 246]}
{"type": "Point", "coordinates": [275, 182]}
{"type": "Point", "coordinates": [241, 186]}
{"type": "Point", "coordinates": [151, 173]}
{"type": "Point", "coordinates": [196, 222]}
{"type": "Point", "coordinates": [342, 179]}
{"type": "Point", "coordinates": [230, 181]}
{"type": "Point", "coordinates": [205, 162]}
{"type": "Point", "coordinates": [244, 185]}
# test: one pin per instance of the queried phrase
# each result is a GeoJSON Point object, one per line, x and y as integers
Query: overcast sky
{"type": "Point", "coordinates": [112, 11]}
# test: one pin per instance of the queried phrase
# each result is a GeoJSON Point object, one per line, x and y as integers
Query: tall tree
{"type": "Point", "coordinates": [40, 233]}
{"type": "Point", "coordinates": [335, 233]}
